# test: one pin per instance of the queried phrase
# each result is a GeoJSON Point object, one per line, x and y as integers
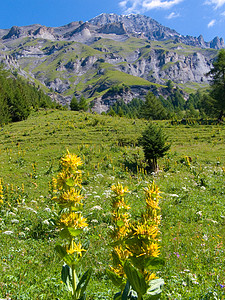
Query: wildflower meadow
{"type": "Point", "coordinates": [84, 217]}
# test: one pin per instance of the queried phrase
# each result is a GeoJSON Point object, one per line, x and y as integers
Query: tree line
{"type": "Point", "coordinates": [17, 98]}
{"type": "Point", "coordinates": [210, 103]}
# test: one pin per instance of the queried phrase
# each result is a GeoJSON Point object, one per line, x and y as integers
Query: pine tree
{"type": "Point", "coordinates": [152, 109]}
{"type": "Point", "coordinates": [74, 105]}
{"type": "Point", "coordinates": [218, 83]}
{"type": "Point", "coordinates": [154, 143]}
{"type": "Point", "coordinates": [83, 104]}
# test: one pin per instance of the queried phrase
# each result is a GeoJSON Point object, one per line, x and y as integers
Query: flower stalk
{"type": "Point", "coordinates": [68, 195]}
{"type": "Point", "coordinates": [136, 244]}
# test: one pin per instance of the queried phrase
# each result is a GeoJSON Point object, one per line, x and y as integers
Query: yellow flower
{"type": "Point", "coordinates": [149, 276]}
{"type": "Point", "coordinates": [119, 190]}
{"type": "Point", "coordinates": [70, 197]}
{"type": "Point", "coordinates": [1, 192]}
{"type": "Point", "coordinates": [73, 219]}
{"type": "Point", "coordinates": [76, 248]}
{"type": "Point", "coordinates": [146, 230]}
{"type": "Point", "coordinates": [118, 270]}
{"type": "Point", "coordinates": [153, 250]}
{"type": "Point", "coordinates": [71, 161]}
{"type": "Point", "coordinates": [64, 177]}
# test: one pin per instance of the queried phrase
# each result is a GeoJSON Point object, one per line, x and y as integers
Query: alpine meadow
{"type": "Point", "coordinates": [112, 162]}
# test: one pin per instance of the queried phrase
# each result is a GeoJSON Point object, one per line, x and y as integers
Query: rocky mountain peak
{"type": "Point", "coordinates": [217, 43]}
{"type": "Point", "coordinates": [14, 32]}
{"type": "Point", "coordinates": [113, 28]}
{"type": "Point", "coordinates": [43, 32]}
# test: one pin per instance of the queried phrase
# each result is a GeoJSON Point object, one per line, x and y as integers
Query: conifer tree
{"type": "Point", "coordinates": [74, 105]}
{"type": "Point", "coordinates": [218, 83]}
{"type": "Point", "coordinates": [83, 104]}
{"type": "Point", "coordinates": [154, 143]}
{"type": "Point", "coordinates": [152, 109]}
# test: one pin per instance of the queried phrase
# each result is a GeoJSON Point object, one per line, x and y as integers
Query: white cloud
{"type": "Point", "coordinates": [216, 3]}
{"type": "Point", "coordinates": [140, 6]}
{"type": "Point", "coordinates": [212, 23]}
{"type": "Point", "coordinates": [173, 15]}
{"type": "Point", "coordinates": [223, 14]}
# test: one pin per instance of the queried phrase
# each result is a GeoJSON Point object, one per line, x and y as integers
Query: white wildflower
{"type": "Point", "coordinates": [15, 221]}
{"type": "Point", "coordinates": [96, 207]}
{"type": "Point", "coordinates": [8, 232]}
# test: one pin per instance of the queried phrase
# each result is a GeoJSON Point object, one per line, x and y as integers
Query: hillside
{"type": "Point", "coordinates": [191, 179]}
{"type": "Point", "coordinates": [89, 58]}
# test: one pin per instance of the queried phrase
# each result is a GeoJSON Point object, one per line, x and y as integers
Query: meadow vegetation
{"type": "Point", "coordinates": [191, 178]}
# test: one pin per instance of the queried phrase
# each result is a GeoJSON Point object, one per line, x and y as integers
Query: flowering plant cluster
{"type": "Point", "coordinates": [136, 246]}
{"type": "Point", "coordinates": [1, 192]}
{"type": "Point", "coordinates": [67, 193]}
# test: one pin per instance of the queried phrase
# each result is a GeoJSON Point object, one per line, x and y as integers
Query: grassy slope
{"type": "Point", "coordinates": [192, 203]}
{"type": "Point", "coordinates": [52, 67]}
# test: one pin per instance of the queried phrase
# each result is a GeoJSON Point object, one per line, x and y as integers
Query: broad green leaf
{"type": "Point", "coordinates": [116, 279]}
{"type": "Point", "coordinates": [120, 223]}
{"type": "Point", "coordinates": [153, 263]}
{"type": "Point", "coordinates": [126, 291]}
{"type": "Point", "coordinates": [73, 231]}
{"type": "Point", "coordinates": [135, 278]}
{"type": "Point", "coordinates": [66, 276]}
{"type": "Point", "coordinates": [116, 259]}
{"type": "Point", "coordinates": [83, 282]}
{"type": "Point", "coordinates": [117, 296]}
{"type": "Point", "coordinates": [68, 259]}
{"type": "Point", "coordinates": [138, 262]}
{"type": "Point", "coordinates": [60, 250]}
{"type": "Point", "coordinates": [64, 233]}
{"type": "Point", "coordinates": [70, 182]}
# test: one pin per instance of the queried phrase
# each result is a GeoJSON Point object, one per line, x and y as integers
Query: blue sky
{"type": "Point", "coordinates": [188, 17]}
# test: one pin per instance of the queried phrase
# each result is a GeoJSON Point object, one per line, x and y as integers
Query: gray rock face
{"type": "Point", "coordinates": [133, 25]}
{"type": "Point", "coordinates": [87, 58]}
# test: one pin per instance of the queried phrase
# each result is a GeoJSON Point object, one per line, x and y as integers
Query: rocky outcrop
{"type": "Point", "coordinates": [217, 43]}
{"type": "Point", "coordinates": [14, 33]}
{"type": "Point", "coordinates": [43, 32]}
{"type": "Point", "coordinates": [113, 28]}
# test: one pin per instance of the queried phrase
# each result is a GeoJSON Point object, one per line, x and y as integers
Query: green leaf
{"type": "Point", "coordinates": [60, 250]}
{"type": "Point", "coordinates": [153, 263]}
{"type": "Point", "coordinates": [68, 258]}
{"type": "Point", "coordinates": [116, 259]}
{"type": "Point", "coordinates": [116, 279]}
{"type": "Point", "coordinates": [66, 276]}
{"type": "Point", "coordinates": [138, 262]}
{"type": "Point", "coordinates": [64, 233]}
{"type": "Point", "coordinates": [70, 182]}
{"type": "Point", "coordinates": [120, 223]}
{"type": "Point", "coordinates": [126, 291]}
{"type": "Point", "coordinates": [117, 296]}
{"type": "Point", "coordinates": [135, 278]}
{"type": "Point", "coordinates": [155, 289]}
{"type": "Point", "coordinates": [83, 282]}
{"type": "Point", "coordinates": [73, 231]}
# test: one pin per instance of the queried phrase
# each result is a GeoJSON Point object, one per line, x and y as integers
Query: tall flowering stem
{"type": "Point", "coordinates": [120, 221]}
{"type": "Point", "coordinates": [71, 223]}
{"type": "Point", "coordinates": [143, 241]}
{"type": "Point", "coordinates": [1, 192]}
{"type": "Point", "coordinates": [136, 243]}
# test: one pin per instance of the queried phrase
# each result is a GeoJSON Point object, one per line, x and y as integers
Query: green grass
{"type": "Point", "coordinates": [192, 229]}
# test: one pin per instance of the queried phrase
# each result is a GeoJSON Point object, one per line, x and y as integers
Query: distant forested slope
{"type": "Point", "coordinates": [17, 98]}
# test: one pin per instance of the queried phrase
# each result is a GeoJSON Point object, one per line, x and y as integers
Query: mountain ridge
{"type": "Point", "coordinates": [133, 24]}
{"type": "Point", "coordinates": [88, 58]}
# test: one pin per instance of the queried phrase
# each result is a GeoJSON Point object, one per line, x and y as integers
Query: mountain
{"type": "Point", "coordinates": [89, 58]}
